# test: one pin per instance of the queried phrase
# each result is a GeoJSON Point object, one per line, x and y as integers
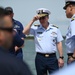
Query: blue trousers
{"type": "Point", "coordinates": [19, 54]}
{"type": "Point", "coordinates": [46, 65]}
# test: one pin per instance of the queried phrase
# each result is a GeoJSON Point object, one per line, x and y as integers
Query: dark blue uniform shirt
{"type": "Point", "coordinates": [17, 41]}
{"type": "Point", "coordinates": [19, 28]}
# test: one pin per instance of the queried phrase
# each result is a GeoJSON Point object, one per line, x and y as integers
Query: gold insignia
{"type": "Point", "coordinates": [73, 19]}
{"type": "Point", "coordinates": [67, 3]}
{"type": "Point", "coordinates": [37, 25]}
{"type": "Point", "coordinates": [55, 26]}
{"type": "Point", "coordinates": [40, 11]}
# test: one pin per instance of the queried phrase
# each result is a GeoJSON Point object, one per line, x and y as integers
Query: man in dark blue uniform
{"type": "Point", "coordinates": [16, 42]}
{"type": "Point", "coordinates": [19, 28]}
{"type": "Point", "coordinates": [9, 65]}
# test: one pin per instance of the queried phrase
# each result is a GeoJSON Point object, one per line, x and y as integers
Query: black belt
{"type": "Point", "coordinates": [46, 54]}
{"type": "Point", "coordinates": [70, 54]}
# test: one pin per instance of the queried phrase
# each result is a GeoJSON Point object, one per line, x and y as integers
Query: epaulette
{"type": "Point", "coordinates": [72, 19]}
{"type": "Point", "coordinates": [36, 25]}
{"type": "Point", "coordinates": [55, 26]}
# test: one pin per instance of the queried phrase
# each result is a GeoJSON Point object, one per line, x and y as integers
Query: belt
{"type": "Point", "coordinates": [70, 54]}
{"type": "Point", "coordinates": [46, 54]}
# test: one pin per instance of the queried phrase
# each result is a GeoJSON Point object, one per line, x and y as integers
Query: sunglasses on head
{"type": "Point", "coordinates": [7, 29]}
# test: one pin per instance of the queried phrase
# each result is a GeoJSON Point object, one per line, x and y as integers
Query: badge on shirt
{"type": "Point", "coordinates": [54, 33]}
{"type": "Point", "coordinates": [39, 39]}
{"type": "Point", "coordinates": [16, 26]}
{"type": "Point", "coordinates": [72, 19]}
{"type": "Point", "coordinates": [39, 32]}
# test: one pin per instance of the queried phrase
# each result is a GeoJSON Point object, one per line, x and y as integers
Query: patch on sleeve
{"type": "Point", "coordinates": [55, 26]}
{"type": "Point", "coordinates": [72, 19]}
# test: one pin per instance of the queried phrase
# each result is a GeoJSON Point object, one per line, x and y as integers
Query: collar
{"type": "Point", "coordinates": [49, 27]}
{"type": "Point", "coordinates": [73, 16]}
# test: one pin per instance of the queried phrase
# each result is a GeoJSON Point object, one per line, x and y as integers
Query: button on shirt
{"type": "Point", "coordinates": [46, 39]}
{"type": "Point", "coordinates": [70, 36]}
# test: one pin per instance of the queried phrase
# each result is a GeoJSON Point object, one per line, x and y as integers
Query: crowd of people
{"type": "Point", "coordinates": [48, 40]}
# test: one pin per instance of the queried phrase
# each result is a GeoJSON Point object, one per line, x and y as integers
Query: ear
{"type": "Point", "coordinates": [13, 14]}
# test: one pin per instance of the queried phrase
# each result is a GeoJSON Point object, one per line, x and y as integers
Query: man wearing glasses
{"type": "Point", "coordinates": [47, 39]}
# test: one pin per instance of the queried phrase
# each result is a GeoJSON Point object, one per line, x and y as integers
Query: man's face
{"type": "Point", "coordinates": [68, 11]}
{"type": "Point", "coordinates": [6, 35]}
{"type": "Point", "coordinates": [44, 20]}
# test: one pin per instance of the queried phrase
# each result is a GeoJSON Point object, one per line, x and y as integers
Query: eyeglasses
{"type": "Point", "coordinates": [7, 29]}
{"type": "Point", "coordinates": [42, 18]}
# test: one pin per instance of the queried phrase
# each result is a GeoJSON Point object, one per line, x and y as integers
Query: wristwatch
{"type": "Point", "coordinates": [61, 57]}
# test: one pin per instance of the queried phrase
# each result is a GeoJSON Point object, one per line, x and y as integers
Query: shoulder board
{"type": "Point", "coordinates": [36, 25]}
{"type": "Point", "coordinates": [72, 19]}
{"type": "Point", "coordinates": [55, 26]}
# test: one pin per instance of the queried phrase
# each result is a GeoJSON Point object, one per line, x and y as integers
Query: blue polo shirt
{"type": "Point", "coordinates": [19, 27]}
{"type": "Point", "coordinates": [17, 41]}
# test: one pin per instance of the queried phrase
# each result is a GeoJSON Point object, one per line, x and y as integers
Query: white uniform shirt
{"type": "Point", "coordinates": [46, 39]}
{"type": "Point", "coordinates": [70, 41]}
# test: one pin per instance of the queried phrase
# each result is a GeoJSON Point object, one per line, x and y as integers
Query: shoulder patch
{"type": "Point", "coordinates": [72, 19]}
{"type": "Point", "coordinates": [36, 25]}
{"type": "Point", "coordinates": [55, 26]}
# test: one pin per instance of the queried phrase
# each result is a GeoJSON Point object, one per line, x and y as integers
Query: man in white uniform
{"type": "Point", "coordinates": [70, 37]}
{"type": "Point", "coordinates": [48, 39]}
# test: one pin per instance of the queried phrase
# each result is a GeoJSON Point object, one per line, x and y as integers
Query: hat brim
{"type": "Point", "coordinates": [66, 6]}
{"type": "Point", "coordinates": [42, 15]}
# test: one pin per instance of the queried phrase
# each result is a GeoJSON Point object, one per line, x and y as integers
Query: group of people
{"type": "Point", "coordinates": [10, 63]}
{"type": "Point", "coordinates": [47, 36]}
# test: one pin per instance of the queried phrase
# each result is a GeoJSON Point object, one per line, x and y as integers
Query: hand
{"type": "Point", "coordinates": [16, 48]}
{"type": "Point", "coordinates": [22, 38]}
{"type": "Point", "coordinates": [70, 60]}
{"type": "Point", "coordinates": [15, 30]}
{"type": "Point", "coordinates": [61, 63]}
{"type": "Point", "coordinates": [36, 18]}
